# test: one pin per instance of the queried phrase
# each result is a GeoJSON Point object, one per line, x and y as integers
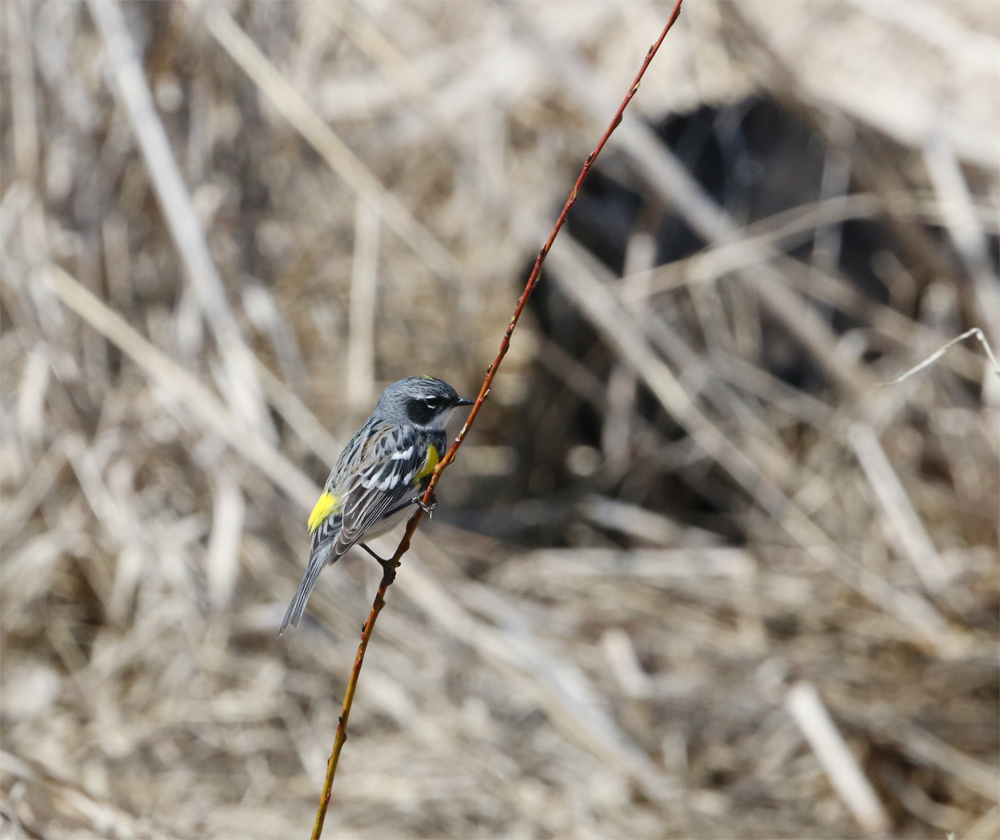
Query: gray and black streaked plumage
{"type": "Point", "coordinates": [379, 476]}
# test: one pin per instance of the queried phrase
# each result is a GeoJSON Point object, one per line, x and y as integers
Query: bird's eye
{"type": "Point", "coordinates": [431, 403]}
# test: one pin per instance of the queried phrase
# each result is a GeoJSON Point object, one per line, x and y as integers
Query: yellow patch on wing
{"type": "Point", "coordinates": [433, 456]}
{"type": "Point", "coordinates": [327, 504]}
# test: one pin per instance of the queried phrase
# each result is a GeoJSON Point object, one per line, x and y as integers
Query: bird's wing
{"type": "Point", "coordinates": [391, 460]}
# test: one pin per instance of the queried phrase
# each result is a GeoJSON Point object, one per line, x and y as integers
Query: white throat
{"type": "Point", "coordinates": [438, 423]}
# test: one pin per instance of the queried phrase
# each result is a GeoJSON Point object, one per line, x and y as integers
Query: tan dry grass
{"type": "Point", "coordinates": [618, 671]}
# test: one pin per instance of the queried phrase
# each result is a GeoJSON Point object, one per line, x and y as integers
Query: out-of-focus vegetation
{"type": "Point", "coordinates": [694, 574]}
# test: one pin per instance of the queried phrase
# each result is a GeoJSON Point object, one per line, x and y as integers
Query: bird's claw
{"type": "Point", "coordinates": [388, 569]}
{"type": "Point", "coordinates": [427, 508]}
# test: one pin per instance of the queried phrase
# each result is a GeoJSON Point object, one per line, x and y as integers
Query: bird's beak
{"type": "Point", "coordinates": [464, 401]}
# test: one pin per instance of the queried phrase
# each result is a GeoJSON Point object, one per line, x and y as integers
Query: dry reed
{"type": "Point", "coordinates": [764, 603]}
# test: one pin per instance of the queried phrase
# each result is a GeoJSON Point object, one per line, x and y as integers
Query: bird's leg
{"type": "Point", "coordinates": [419, 502]}
{"type": "Point", "coordinates": [388, 570]}
{"type": "Point", "coordinates": [428, 509]}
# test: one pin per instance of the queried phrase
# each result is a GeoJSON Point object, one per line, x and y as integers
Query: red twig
{"type": "Point", "coordinates": [484, 392]}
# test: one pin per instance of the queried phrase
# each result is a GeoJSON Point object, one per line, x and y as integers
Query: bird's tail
{"type": "Point", "coordinates": [319, 556]}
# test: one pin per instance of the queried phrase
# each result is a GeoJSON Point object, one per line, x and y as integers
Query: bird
{"type": "Point", "coordinates": [378, 478]}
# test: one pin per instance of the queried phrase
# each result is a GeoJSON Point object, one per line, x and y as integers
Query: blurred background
{"type": "Point", "coordinates": [694, 572]}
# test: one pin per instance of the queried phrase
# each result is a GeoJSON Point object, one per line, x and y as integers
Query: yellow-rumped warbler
{"type": "Point", "coordinates": [381, 473]}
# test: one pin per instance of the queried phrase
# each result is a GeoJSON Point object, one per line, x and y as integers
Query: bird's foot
{"type": "Point", "coordinates": [426, 508]}
{"type": "Point", "coordinates": [388, 567]}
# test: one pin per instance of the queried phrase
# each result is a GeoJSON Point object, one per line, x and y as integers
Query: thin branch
{"type": "Point", "coordinates": [667, 176]}
{"type": "Point", "coordinates": [937, 354]}
{"type": "Point", "coordinates": [484, 391]}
